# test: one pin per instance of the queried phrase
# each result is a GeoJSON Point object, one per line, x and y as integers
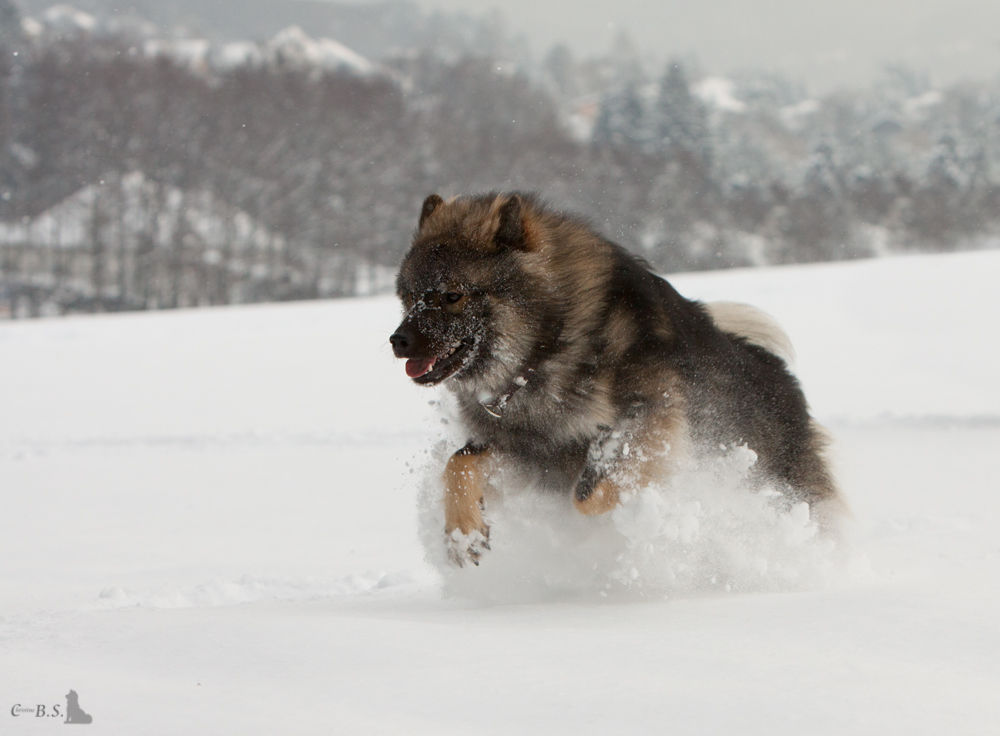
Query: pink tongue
{"type": "Point", "coordinates": [416, 368]}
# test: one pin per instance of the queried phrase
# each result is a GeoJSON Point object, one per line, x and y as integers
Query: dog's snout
{"type": "Point", "coordinates": [401, 340]}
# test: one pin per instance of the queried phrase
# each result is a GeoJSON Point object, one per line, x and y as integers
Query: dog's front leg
{"type": "Point", "coordinates": [466, 534]}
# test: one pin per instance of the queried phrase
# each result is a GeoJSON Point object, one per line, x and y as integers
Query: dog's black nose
{"type": "Point", "coordinates": [401, 340]}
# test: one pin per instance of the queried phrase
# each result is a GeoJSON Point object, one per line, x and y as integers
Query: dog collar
{"type": "Point", "coordinates": [496, 407]}
{"type": "Point", "coordinates": [545, 348]}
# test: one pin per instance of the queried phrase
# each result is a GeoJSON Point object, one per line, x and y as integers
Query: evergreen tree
{"type": "Point", "coordinates": [560, 72]}
{"type": "Point", "coordinates": [10, 38]}
{"type": "Point", "coordinates": [681, 118]}
{"type": "Point", "coordinates": [10, 23]}
{"type": "Point", "coordinates": [626, 68]}
{"type": "Point", "coordinates": [622, 120]}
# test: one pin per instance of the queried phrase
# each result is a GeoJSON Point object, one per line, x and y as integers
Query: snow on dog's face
{"type": "Point", "coordinates": [440, 335]}
{"type": "Point", "coordinates": [458, 284]}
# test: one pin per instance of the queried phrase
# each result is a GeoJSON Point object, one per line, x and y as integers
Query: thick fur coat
{"type": "Point", "coordinates": [573, 362]}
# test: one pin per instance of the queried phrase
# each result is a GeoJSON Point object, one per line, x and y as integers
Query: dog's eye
{"type": "Point", "coordinates": [452, 297]}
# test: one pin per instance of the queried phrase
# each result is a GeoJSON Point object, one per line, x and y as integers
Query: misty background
{"type": "Point", "coordinates": [824, 43]}
{"type": "Point", "coordinates": [183, 153]}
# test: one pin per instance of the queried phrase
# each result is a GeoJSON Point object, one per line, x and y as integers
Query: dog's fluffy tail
{"type": "Point", "coordinates": [754, 325]}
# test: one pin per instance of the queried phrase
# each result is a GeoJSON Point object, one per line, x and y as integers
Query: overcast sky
{"type": "Point", "coordinates": [826, 42]}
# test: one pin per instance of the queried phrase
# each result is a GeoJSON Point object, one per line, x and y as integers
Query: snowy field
{"type": "Point", "coordinates": [216, 522]}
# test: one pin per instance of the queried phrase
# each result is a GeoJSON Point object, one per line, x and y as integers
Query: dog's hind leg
{"type": "Point", "coordinates": [465, 476]}
{"type": "Point", "coordinates": [595, 493]}
{"type": "Point", "coordinates": [630, 458]}
{"type": "Point", "coordinates": [827, 505]}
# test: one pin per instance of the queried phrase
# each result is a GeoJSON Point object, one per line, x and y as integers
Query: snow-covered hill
{"type": "Point", "coordinates": [210, 525]}
{"type": "Point", "coordinates": [290, 46]}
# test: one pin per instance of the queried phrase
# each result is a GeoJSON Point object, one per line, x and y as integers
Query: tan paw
{"type": "Point", "coordinates": [469, 547]}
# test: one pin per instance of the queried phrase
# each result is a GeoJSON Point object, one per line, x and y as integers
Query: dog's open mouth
{"type": "Point", "coordinates": [429, 371]}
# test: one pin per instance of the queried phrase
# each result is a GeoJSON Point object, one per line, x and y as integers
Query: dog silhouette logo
{"type": "Point", "coordinates": [74, 713]}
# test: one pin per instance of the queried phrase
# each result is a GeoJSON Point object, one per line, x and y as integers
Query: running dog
{"type": "Point", "coordinates": [570, 360]}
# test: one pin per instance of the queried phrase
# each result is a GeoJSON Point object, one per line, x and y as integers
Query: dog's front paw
{"type": "Point", "coordinates": [469, 547]}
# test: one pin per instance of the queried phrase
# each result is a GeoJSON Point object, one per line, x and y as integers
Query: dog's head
{"type": "Point", "coordinates": [465, 285]}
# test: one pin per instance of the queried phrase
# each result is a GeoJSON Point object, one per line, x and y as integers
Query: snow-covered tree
{"type": "Point", "coordinates": [623, 121]}
{"type": "Point", "coordinates": [681, 120]}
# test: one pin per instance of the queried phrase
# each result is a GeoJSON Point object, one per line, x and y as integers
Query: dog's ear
{"type": "Point", "coordinates": [430, 204]}
{"type": "Point", "coordinates": [510, 230]}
